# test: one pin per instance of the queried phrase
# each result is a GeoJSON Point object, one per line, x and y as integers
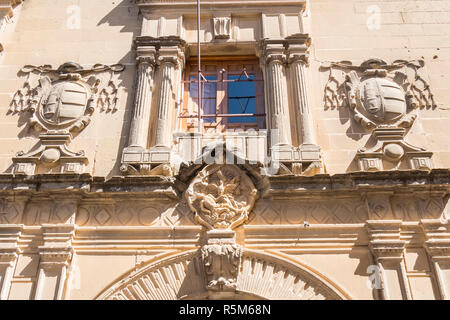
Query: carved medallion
{"type": "Point", "coordinates": [221, 196]}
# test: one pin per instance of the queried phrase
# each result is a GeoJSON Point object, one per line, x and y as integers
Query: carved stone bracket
{"type": "Point", "coordinates": [390, 145]}
{"type": "Point", "coordinates": [60, 105]}
{"type": "Point", "coordinates": [383, 101]}
{"type": "Point", "coordinates": [221, 260]}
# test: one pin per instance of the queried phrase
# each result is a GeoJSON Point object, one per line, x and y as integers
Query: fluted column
{"type": "Point", "coordinates": [298, 60]}
{"type": "Point", "coordinates": [169, 61]}
{"type": "Point", "coordinates": [276, 88]}
{"type": "Point", "coordinates": [143, 99]}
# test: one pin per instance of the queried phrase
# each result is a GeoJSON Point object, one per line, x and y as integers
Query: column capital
{"type": "Point", "coordinates": [146, 54]}
{"type": "Point", "coordinates": [8, 255]}
{"type": "Point", "coordinates": [57, 248]}
{"type": "Point", "coordinates": [171, 55]}
{"type": "Point", "coordinates": [384, 239]}
{"type": "Point", "coordinates": [297, 47]}
{"type": "Point", "coordinates": [273, 52]}
{"type": "Point", "coordinates": [298, 53]}
{"type": "Point", "coordinates": [55, 257]}
{"type": "Point", "coordinates": [437, 235]}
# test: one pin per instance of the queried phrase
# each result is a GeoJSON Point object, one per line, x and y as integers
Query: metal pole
{"type": "Point", "coordinates": [199, 84]}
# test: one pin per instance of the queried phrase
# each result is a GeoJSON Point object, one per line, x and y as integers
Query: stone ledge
{"type": "Point", "coordinates": [436, 180]}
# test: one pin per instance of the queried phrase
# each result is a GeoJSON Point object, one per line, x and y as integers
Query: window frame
{"type": "Point", "coordinates": [230, 64]}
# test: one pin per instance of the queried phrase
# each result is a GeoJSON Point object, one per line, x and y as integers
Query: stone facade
{"type": "Point", "coordinates": [340, 192]}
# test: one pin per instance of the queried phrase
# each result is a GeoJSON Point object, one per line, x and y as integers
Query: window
{"type": "Point", "coordinates": [232, 99]}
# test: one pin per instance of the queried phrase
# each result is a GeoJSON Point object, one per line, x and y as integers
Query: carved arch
{"type": "Point", "coordinates": [262, 275]}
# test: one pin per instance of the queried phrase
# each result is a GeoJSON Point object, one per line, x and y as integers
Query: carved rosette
{"type": "Point", "coordinates": [221, 196]}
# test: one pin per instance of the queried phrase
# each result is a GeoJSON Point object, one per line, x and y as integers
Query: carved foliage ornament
{"type": "Point", "coordinates": [221, 196]}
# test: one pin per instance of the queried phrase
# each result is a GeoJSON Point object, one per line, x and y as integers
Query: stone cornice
{"type": "Point", "coordinates": [437, 181]}
{"type": "Point", "coordinates": [146, 41]}
{"type": "Point", "coordinates": [153, 4]}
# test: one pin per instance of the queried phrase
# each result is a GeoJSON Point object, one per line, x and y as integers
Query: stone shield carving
{"type": "Point", "coordinates": [66, 101]}
{"type": "Point", "coordinates": [65, 104]}
{"type": "Point", "coordinates": [382, 100]}
{"type": "Point", "coordinates": [61, 104]}
{"type": "Point", "coordinates": [221, 196]}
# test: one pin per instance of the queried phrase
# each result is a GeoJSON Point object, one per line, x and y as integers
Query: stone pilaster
{"type": "Point", "coordinates": [437, 245]}
{"type": "Point", "coordinates": [169, 61]}
{"type": "Point", "coordinates": [55, 256]}
{"type": "Point", "coordinates": [9, 252]}
{"type": "Point", "coordinates": [388, 251]}
{"type": "Point", "coordinates": [146, 60]}
{"type": "Point", "coordinates": [275, 85]}
{"type": "Point", "coordinates": [163, 59]}
{"type": "Point", "coordinates": [298, 60]}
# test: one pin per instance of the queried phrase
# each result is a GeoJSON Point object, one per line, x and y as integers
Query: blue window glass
{"type": "Point", "coordinates": [241, 98]}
